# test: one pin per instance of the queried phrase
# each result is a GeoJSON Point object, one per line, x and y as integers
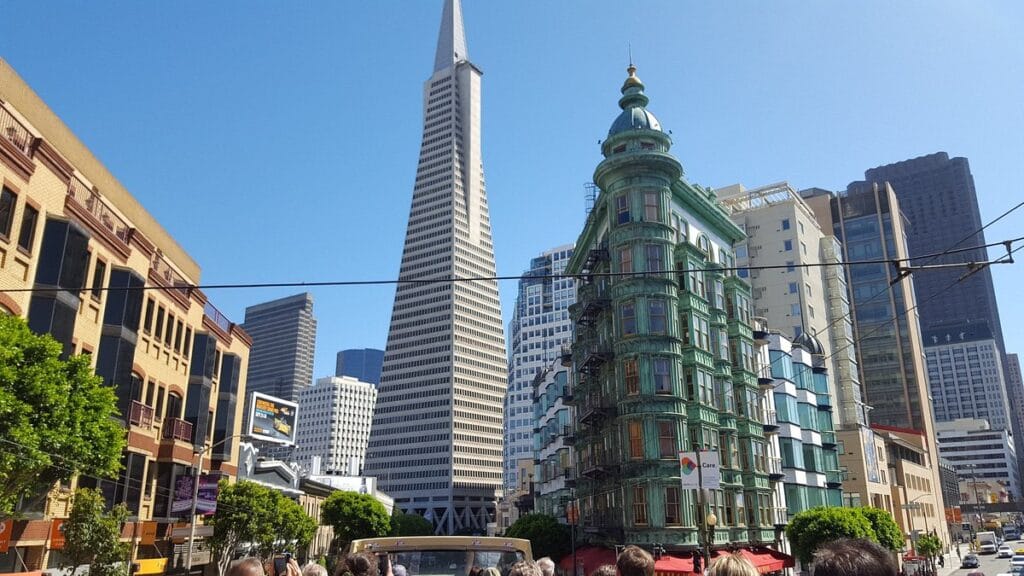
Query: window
{"type": "Point", "coordinates": [684, 328]}
{"type": "Point", "coordinates": [158, 410]}
{"type": "Point", "coordinates": [8, 201]}
{"type": "Point", "coordinates": [787, 245]}
{"type": "Point", "coordinates": [628, 315]}
{"type": "Point", "coordinates": [673, 511]}
{"type": "Point", "coordinates": [655, 257]}
{"type": "Point", "coordinates": [187, 344]}
{"type": "Point", "coordinates": [667, 439]}
{"type": "Point", "coordinates": [640, 505]}
{"type": "Point", "coordinates": [793, 287]}
{"type": "Point", "coordinates": [636, 440]}
{"type": "Point", "coordinates": [27, 235]}
{"type": "Point", "coordinates": [656, 316]}
{"type": "Point", "coordinates": [626, 260]}
{"type": "Point", "coordinates": [794, 309]}
{"type": "Point", "coordinates": [177, 337]}
{"type": "Point", "coordinates": [632, 376]}
{"type": "Point", "coordinates": [652, 207]}
{"type": "Point", "coordinates": [622, 209]}
{"type": "Point", "coordinates": [789, 266]}
{"type": "Point", "coordinates": [785, 224]}
{"type": "Point", "coordinates": [147, 321]}
{"type": "Point", "coordinates": [98, 274]}
{"type": "Point", "coordinates": [662, 376]}
{"type": "Point", "coordinates": [170, 329]}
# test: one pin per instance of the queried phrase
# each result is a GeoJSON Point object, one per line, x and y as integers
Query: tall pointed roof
{"type": "Point", "coordinates": [451, 41]}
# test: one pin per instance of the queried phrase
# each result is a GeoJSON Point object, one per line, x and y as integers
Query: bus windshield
{"type": "Point", "coordinates": [453, 562]}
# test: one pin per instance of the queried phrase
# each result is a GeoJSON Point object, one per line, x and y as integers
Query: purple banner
{"type": "Point", "coordinates": [208, 490]}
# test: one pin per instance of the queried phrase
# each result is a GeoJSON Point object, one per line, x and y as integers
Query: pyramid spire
{"type": "Point", "coordinates": [451, 41]}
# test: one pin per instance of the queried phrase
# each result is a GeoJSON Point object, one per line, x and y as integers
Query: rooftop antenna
{"type": "Point", "coordinates": [629, 50]}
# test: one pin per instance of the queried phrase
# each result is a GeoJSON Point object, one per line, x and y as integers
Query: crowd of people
{"type": "Point", "coordinates": [843, 557]}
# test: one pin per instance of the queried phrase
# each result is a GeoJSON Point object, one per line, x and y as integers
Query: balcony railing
{"type": "Point", "coordinates": [140, 415]}
{"type": "Point", "coordinates": [217, 317]}
{"type": "Point", "coordinates": [775, 468]}
{"type": "Point", "coordinates": [15, 132]}
{"type": "Point", "coordinates": [760, 326]}
{"type": "Point", "coordinates": [771, 420]}
{"type": "Point", "coordinates": [177, 429]}
{"type": "Point", "coordinates": [780, 516]}
{"type": "Point", "coordinates": [828, 439]}
{"type": "Point", "coordinates": [162, 270]}
{"type": "Point", "coordinates": [833, 478]}
{"type": "Point", "coordinates": [94, 204]}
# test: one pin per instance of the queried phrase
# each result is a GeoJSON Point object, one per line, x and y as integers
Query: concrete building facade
{"type": "Point", "coordinates": [436, 441]}
{"type": "Point", "coordinates": [554, 437]}
{"type": "Point", "coordinates": [965, 372]}
{"type": "Point", "coordinates": [982, 451]}
{"type": "Point", "coordinates": [334, 425]}
{"type": "Point", "coordinates": [116, 286]}
{"type": "Point", "coordinates": [539, 329]}
{"type": "Point", "coordinates": [663, 362]}
{"type": "Point", "coordinates": [283, 342]}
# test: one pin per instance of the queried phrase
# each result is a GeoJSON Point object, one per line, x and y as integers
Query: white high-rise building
{"type": "Point", "coordinates": [539, 328]}
{"type": "Point", "coordinates": [980, 453]}
{"type": "Point", "coordinates": [334, 425]}
{"type": "Point", "coordinates": [965, 373]}
{"type": "Point", "coordinates": [437, 431]}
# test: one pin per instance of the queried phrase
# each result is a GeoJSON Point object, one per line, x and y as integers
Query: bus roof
{"type": "Point", "coordinates": [400, 543]}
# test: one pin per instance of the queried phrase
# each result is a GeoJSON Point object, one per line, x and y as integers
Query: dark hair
{"type": "Point", "coordinates": [357, 564]}
{"type": "Point", "coordinates": [635, 561]}
{"type": "Point", "coordinates": [604, 570]}
{"type": "Point", "coordinates": [852, 557]}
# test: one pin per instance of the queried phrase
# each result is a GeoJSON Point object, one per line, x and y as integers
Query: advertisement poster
{"type": "Point", "coordinates": [57, 534]}
{"type": "Point", "coordinates": [699, 471]}
{"type": "Point", "coordinates": [208, 490]}
{"type": "Point", "coordinates": [5, 535]}
{"type": "Point", "coordinates": [272, 419]}
{"type": "Point", "coordinates": [182, 499]}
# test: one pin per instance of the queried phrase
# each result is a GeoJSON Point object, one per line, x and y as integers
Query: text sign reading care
{"type": "Point", "coordinates": [272, 419]}
{"type": "Point", "coordinates": [700, 470]}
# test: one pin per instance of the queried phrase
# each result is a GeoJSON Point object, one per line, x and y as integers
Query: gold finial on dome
{"type": "Point", "coordinates": [632, 80]}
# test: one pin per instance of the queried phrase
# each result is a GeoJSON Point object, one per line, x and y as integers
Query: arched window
{"type": "Point", "coordinates": [704, 245]}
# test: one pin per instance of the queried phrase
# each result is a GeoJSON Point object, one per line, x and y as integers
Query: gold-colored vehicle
{"type": "Point", "coordinates": [446, 555]}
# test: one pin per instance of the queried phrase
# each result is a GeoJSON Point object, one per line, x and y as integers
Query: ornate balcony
{"type": "Point", "coordinates": [760, 327]}
{"type": "Point", "coordinates": [775, 472]}
{"type": "Point", "coordinates": [771, 421]}
{"type": "Point", "coordinates": [592, 299]}
{"type": "Point", "coordinates": [593, 355]}
{"type": "Point", "coordinates": [780, 516]}
{"type": "Point", "coordinates": [140, 415]}
{"type": "Point", "coordinates": [177, 429]}
{"type": "Point", "coordinates": [15, 132]}
{"type": "Point", "coordinates": [97, 212]}
{"type": "Point", "coordinates": [595, 409]}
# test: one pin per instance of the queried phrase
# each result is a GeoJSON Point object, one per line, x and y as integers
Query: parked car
{"type": "Point", "coordinates": [970, 561]}
{"type": "Point", "coordinates": [1017, 560]}
{"type": "Point", "coordinates": [1004, 551]}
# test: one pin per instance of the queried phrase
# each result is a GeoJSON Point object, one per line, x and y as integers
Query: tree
{"type": "Point", "coordinates": [261, 516]}
{"type": "Point", "coordinates": [410, 525]}
{"type": "Point", "coordinates": [546, 535]}
{"type": "Point", "coordinates": [887, 532]}
{"type": "Point", "coordinates": [929, 545]}
{"type": "Point", "coordinates": [354, 516]}
{"type": "Point", "coordinates": [93, 536]}
{"type": "Point", "coordinates": [58, 417]}
{"type": "Point", "coordinates": [811, 528]}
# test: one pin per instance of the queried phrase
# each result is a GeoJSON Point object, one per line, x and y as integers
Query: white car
{"type": "Point", "coordinates": [1005, 551]}
{"type": "Point", "coordinates": [1017, 560]}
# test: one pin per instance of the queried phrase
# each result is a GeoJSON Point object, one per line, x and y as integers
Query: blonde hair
{"type": "Point", "coordinates": [732, 565]}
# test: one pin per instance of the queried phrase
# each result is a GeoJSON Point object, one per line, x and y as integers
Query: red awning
{"type": "Point", "coordinates": [767, 560]}
{"type": "Point", "coordinates": [673, 566]}
{"type": "Point", "coordinates": [590, 557]}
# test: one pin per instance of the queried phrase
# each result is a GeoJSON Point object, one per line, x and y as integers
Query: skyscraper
{"type": "Point", "coordinates": [965, 372]}
{"type": "Point", "coordinates": [539, 327]}
{"type": "Point", "coordinates": [937, 197]}
{"type": "Point", "coordinates": [364, 364]}
{"type": "Point", "coordinates": [436, 440]}
{"type": "Point", "coordinates": [334, 425]}
{"type": "Point", "coordinates": [283, 341]}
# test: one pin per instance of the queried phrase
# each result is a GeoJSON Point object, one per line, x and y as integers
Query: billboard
{"type": "Point", "coordinates": [207, 502]}
{"type": "Point", "coordinates": [272, 419]}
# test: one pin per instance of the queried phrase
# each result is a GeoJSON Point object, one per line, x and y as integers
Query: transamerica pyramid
{"type": "Point", "coordinates": [435, 444]}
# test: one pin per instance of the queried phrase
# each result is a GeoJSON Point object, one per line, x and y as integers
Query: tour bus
{"type": "Point", "coordinates": [445, 555]}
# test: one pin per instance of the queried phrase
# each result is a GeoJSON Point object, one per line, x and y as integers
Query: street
{"type": "Point", "coordinates": [990, 564]}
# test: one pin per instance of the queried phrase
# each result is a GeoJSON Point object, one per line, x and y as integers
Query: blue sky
{"type": "Point", "coordinates": [277, 141]}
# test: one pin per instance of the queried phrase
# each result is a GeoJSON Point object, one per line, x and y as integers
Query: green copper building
{"type": "Point", "coordinates": [664, 353]}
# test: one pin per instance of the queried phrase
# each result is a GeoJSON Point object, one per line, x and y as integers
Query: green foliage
{"type": "Point", "coordinates": [546, 535]}
{"type": "Point", "coordinates": [811, 528]}
{"type": "Point", "coordinates": [410, 525]}
{"type": "Point", "coordinates": [93, 536]}
{"type": "Point", "coordinates": [58, 417]}
{"type": "Point", "coordinates": [887, 532]}
{"type": "Point", "coordinates": [355, 516]}
{"type": "Point", "coordinates": [929, 545]}
{"type": "Point", "coordinates": [269, 520]}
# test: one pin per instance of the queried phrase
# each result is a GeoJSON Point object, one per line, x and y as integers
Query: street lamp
{"type": "Point", "coordinates": [195, 496]}
{"type": "Point", "coordinates": [709, 522]}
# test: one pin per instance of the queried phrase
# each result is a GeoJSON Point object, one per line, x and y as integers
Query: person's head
{"type": "Point", "coordinates": [732, 565]}
{"type": "Point", "coordinates": [490, 571]}
{"type": "Point", "coordinates": [358, 564]}
{"type": "Point", "coordinates": [314, 569]}
{"type": "Point", "coordinates": [524, 568]}
{"type": "Point", "coordinates": [246, 567]}
{"type": "Point", "coordinates": [635, 561]}
{"type": "Point", "coordinates": [396, 570]}
{"type": "Point", "coordinates": [547, 566]}
{"type": "Point", "coordinates": [852, 557]}
{"type": "Point", "coordinates": [604, 570]}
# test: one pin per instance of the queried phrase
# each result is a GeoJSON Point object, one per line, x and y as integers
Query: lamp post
{"type": "Point", "coordinates": [709, 529]}
{"type": "Point", "coordinates": [196, 471]}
